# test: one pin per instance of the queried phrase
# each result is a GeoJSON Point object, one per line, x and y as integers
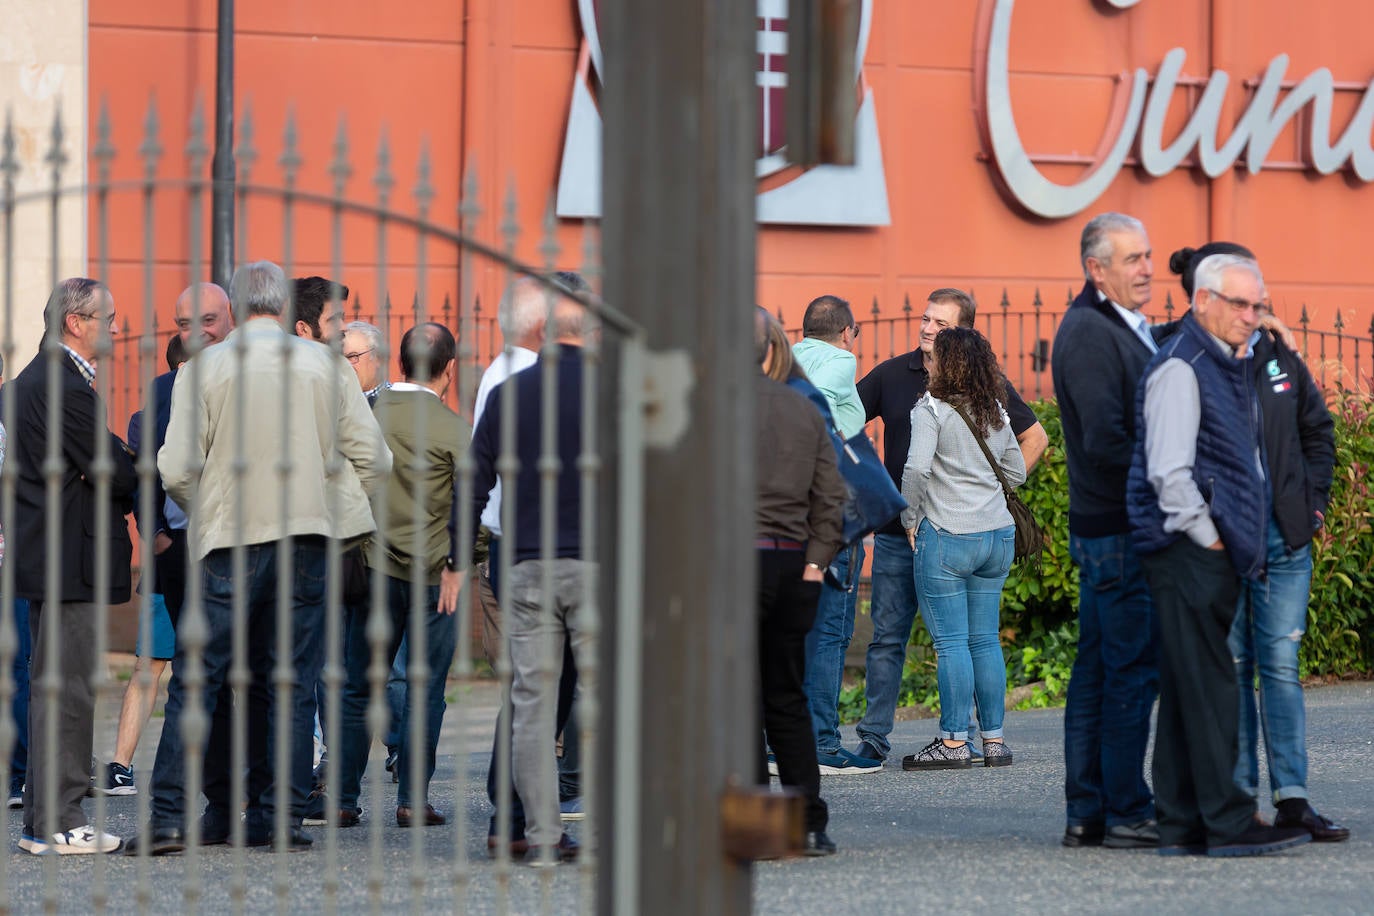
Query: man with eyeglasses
{"type": "Point", "coordinates": [362, 347]}
{"type": "Point", "coordinates": [1199, 497]}
{"type": "Point", "coordinates": [1271, 616]}
{"type": "Point", "coordinates": [77, 318]}
{"type": "Point", "coordinates": [825, 354]}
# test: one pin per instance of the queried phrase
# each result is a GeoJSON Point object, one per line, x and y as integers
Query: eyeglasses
{"type": "Point", "coordinates": [97, 316]}
{"type": "Point", "coordinates": [1240, 305]}
{"type": "Point", "coordinates": [354, 357]}
{"type": "Point", "coordinates": [854, 329]}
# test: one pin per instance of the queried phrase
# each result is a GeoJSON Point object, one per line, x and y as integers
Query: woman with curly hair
{"type": "Point", "coordinates": [963, 536]}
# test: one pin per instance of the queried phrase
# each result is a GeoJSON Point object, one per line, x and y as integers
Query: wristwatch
{"type": "Point", "coordinates": [450, 564]}
{"type": "Point", "coordinates": [815, 566]}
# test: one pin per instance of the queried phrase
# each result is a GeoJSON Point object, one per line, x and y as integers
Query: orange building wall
{"type": "Point", "coordinates": [485, 84]}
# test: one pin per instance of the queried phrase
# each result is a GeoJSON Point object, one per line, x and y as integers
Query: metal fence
{"type": "Point", "coordinates": [1023, 338]}
{"type": "Point", "coordinates": [254, 607]}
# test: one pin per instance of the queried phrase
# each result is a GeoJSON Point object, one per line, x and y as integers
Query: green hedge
{"type": "Point", "coordinates": [1039, 624]}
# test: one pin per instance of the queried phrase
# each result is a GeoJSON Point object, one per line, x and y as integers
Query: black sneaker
{"type": "Point", "coordinates": [938, 756]}
{"type": "Point", "coordinates": [1261, 841]}
{"type": "Point", "coordinates": [996, 754]}
{"type": "Point", "coordinates": [1140, 835]}
{"type": "Point", "coordinates": [114, 779]}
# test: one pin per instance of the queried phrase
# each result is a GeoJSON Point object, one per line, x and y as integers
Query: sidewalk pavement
{"type": "Point", "coordinates": [981, 841]}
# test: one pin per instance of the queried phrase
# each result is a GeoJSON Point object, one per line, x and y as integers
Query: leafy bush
{"type": "Point", "coordinates": [1039, 603]}
{"type": "Point", "coordinates": [1340, 616]}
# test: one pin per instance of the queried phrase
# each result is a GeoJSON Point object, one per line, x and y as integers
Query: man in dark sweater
{"type": "Point", "coordinates": [535, 632]}
{"type": "Point", "coordinates": [1100, 351]}
{"type": "Point", "coordinates": [890, 391]}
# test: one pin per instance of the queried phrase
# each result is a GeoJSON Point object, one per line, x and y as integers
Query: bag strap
{"type": "Point", "coordinates": [987, 452]}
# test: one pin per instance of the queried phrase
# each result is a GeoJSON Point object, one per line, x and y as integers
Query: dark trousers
{"type": "Point", "coordinates": [1196, 797]}
{"type": "Point", "coordinates": [19, 756]}
{"type": "Point", "coordinates": [170, 582]}
{"type": "Point", "coordinates": [68, 723]}
{"type": "Point", "coordinates": [1113, 688]}
{"type": "Point", "coordinates": [569, 781]}
{"type": "Point", "coordinates": [440, 640]}
{"type": "Point", "coordinates": [169, 574]}
{"type": "Point", "coordinates": [306, 568]}
{"type": "Point", "coordinates": [787, 609]}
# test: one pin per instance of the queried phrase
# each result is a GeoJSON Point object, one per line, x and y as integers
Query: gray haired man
{"type": "Point", "coordinates": [239, 446]}
{"type": "Point", "coordinates": [63, 603]}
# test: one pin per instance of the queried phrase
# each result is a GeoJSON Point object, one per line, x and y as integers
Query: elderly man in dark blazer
{"type": "Point", "coordinates": [55, 402]}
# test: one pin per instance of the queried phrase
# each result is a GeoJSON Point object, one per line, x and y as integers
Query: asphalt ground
{"type": "Point", "coordinates": [977, 841]}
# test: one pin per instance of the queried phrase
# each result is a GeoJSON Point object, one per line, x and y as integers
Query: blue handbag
{"type": "Point", "coordinates": [873, 499]}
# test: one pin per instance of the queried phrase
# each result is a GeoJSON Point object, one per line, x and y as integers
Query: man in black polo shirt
{"type": "Point", "coordinates": [890, 391]}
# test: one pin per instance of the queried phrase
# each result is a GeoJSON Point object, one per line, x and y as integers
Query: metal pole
{"type": "Point", "coordinates": [222, 169]}
{"type": "Point", "coordinates": [679, 104]}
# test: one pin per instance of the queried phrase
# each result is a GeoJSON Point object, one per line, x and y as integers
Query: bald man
{"type": "Point", "coordinates": [203, 319]}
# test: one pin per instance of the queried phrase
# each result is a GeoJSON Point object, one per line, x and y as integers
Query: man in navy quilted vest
{"type": "Point", "coordinates": [1198, 497]}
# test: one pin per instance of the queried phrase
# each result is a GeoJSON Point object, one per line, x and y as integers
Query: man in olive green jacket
{"type": "Point", "coordinates": [426, 438]}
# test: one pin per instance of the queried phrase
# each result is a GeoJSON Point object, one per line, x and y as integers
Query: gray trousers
{"type": "Point", "coordinates": [536, 652]}
{"type": "Point", "coordinates": [68, 724]}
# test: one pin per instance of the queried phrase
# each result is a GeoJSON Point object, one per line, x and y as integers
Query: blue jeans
{"type": "Point", "coordinates": [959, 579]}
{"type": "Point", "coordinates": [259, 588]}
{"type": "Point", "coordinates": [1271, 618]}
{"type": "Point", "coordinates": [826, 645]}
{"type": "Point", "coordinates": [893, 609]}
{"type": "Point", "coordinates": [1113, 687]}
{"type": "Point", "coordinates": [439, 641]}
{"type": "Point", "coordinates": [19, 756]}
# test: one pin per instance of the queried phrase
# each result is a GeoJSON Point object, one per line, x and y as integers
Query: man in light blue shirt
{"type": "Point", "coordinates": [825, 355]}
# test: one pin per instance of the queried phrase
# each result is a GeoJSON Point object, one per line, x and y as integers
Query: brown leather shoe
{"type": "Point", "coordinates": [518, 848]}
{"type": "Point", "coordinates": [404, 818]}
{"type": "Point", "coordinates": [1323, 829]}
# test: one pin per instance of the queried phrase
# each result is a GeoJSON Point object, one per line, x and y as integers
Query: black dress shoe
{"type": "Point", "coordinates": [405, 817]}
{"type": "Point", "coordinates": [818, 844]}
{"type": "Point", "coordinates": [161, 842]}
{"type": "Point", "coordinates": [1323, 829]}
{"type": "Point", "coordinates": [214, 828]}
{"type": "Point", "coordinates": [1260, 841]}
{"type": "Point", "coordinates": [297, 840]}
{"type": "Point", "coordinates": [1140, 835]}
{"type": "Point", "coordinates": [1076, 835]}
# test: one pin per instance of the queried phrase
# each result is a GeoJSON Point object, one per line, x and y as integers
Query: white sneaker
{"type": "Point", "coordinates": [78, 841]}
{"type": "Point", "coordinates": [29, 844]}
{"type": "Point", "coordinates": [16, 800]}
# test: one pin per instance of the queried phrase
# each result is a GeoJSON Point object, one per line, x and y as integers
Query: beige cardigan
{"type": "Point", "coordinates": [313, 453]}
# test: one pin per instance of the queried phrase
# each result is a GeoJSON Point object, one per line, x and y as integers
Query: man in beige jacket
{"type": "Point", "coordinates": [274, 453]}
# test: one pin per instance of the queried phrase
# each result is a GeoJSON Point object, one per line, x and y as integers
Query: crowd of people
{"type": "Point", "coordinates": [1200, 457]}
{"type": "Point", "coordinates": [278, 464]}
{"type": "Point", "coordinates": [275, 438]}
